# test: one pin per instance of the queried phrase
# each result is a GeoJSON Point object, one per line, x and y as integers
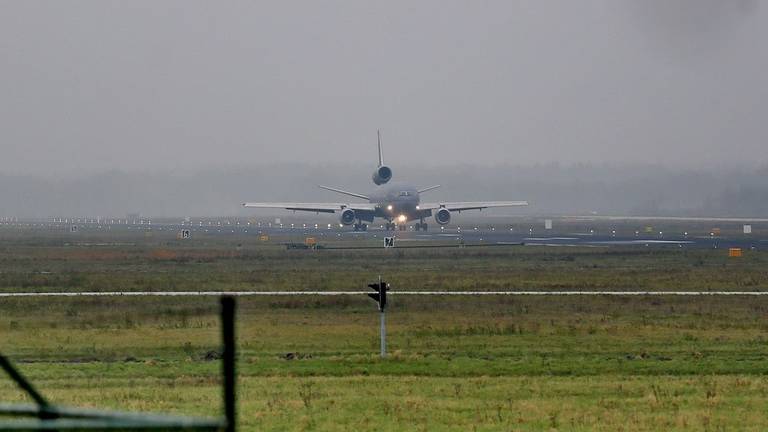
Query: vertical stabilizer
{"type": "Point", "coordinates": [383, 173]}
{"type": "Point", "coordinates": [381, 157]}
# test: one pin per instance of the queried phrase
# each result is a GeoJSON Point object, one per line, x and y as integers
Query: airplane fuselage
{"type": "Point", "coordinates": [396, 202]}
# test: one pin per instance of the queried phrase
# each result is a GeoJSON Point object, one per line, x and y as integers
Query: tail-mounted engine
{"type": "Point", "coordinates": [382, 175]}
{"type": "Point", "coordinates": [443, 216]}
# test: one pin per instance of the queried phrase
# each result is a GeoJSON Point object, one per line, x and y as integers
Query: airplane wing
{"type": "Point", "coordinates": [471, 205]}
{"type": "Point", "coordinates": [313, 207]}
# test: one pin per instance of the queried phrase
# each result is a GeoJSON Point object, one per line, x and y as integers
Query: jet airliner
{"type": "Point", "coordinates": [397, 203]}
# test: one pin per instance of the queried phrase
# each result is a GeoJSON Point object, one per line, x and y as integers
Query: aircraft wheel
{"type": "Point", "coordinates": [363, 227]}
{"type": "Point", "coordinates": [424, 226]}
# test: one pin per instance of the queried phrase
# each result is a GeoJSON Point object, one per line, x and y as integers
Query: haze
{"type": "Point", "coordinates": [89, 87]}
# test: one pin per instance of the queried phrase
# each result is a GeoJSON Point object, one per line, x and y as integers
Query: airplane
{"type": "Point", "coordinates": [397, 203]}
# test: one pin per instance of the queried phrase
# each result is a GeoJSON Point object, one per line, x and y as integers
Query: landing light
{"type": "Point", "coordinates": [402, 218]}
{"type": "Point", "coordinates": [389, 207]}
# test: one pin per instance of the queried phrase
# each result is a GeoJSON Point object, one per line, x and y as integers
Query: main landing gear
{"type": "Point", "coordinates": [391, 226]}
{"type": "Point", "coordinates": [360, 227]}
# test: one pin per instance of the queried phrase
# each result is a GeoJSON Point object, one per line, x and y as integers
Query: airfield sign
{"type": "Point", "coordinates": [389, 242]}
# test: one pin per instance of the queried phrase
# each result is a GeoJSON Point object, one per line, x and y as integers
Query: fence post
{"type": "Point", "coordinates": [228, 360]}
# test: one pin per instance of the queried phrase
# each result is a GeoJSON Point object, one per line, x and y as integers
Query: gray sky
{"type": "Point", "coordinates": [91, 86]}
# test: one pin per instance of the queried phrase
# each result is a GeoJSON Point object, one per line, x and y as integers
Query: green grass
{"type": "Point", "coordinates": [458, 363]}
{"type": "Point", "coordinates": [608, 402]}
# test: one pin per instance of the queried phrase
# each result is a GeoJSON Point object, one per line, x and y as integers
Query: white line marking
{"type": "Point", "coordinates": [409, 293]}
{"type": "Point", "coordinates": [550, 238]}
{"type": "Point", "coordinates": [640, 242]}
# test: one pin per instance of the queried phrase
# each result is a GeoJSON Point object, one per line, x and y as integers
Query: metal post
{"type": "Point", "coordinates": [383, 323]}
{"type": "Point", "coordinates": [383, 334]}
{"type": "Point", "coordinates": [228, 360]}
{"type": "Point", "coordinates": [45, 410]}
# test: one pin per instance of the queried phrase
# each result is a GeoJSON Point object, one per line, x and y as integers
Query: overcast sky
{"type": "Point", "coordinates": [91, 86]}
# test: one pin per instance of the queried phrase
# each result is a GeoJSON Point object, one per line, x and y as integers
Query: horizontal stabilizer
{"type": "Point", "coordinates": [343, 192]}
{"type": "Point", "coordinates": [429, 188]}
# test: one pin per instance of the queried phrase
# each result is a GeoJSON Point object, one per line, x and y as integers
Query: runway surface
{"type": "Point", "coordinates": [599, 234]}
{"type": "Point", "coordinates": [488, 236]}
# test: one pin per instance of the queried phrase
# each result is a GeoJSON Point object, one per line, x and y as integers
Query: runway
{"type": "Point", "coordinates": [683, 233]}
{"type": "Point", "coordinates": [486, 236]}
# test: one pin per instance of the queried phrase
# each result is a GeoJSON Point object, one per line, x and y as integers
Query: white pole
{"type": "Point", "coordinates": [383, 335]}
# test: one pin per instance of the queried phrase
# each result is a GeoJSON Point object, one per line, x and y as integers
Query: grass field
{"type": "Point", "coordinates": [458, 363]}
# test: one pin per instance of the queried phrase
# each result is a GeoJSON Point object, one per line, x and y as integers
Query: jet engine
{"type": "Point", "coordinates": [348, 217]}
{"type": "Point", "coordinates": [382, 175]}
{"type": "Point", "coordinates": [443, 216]}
